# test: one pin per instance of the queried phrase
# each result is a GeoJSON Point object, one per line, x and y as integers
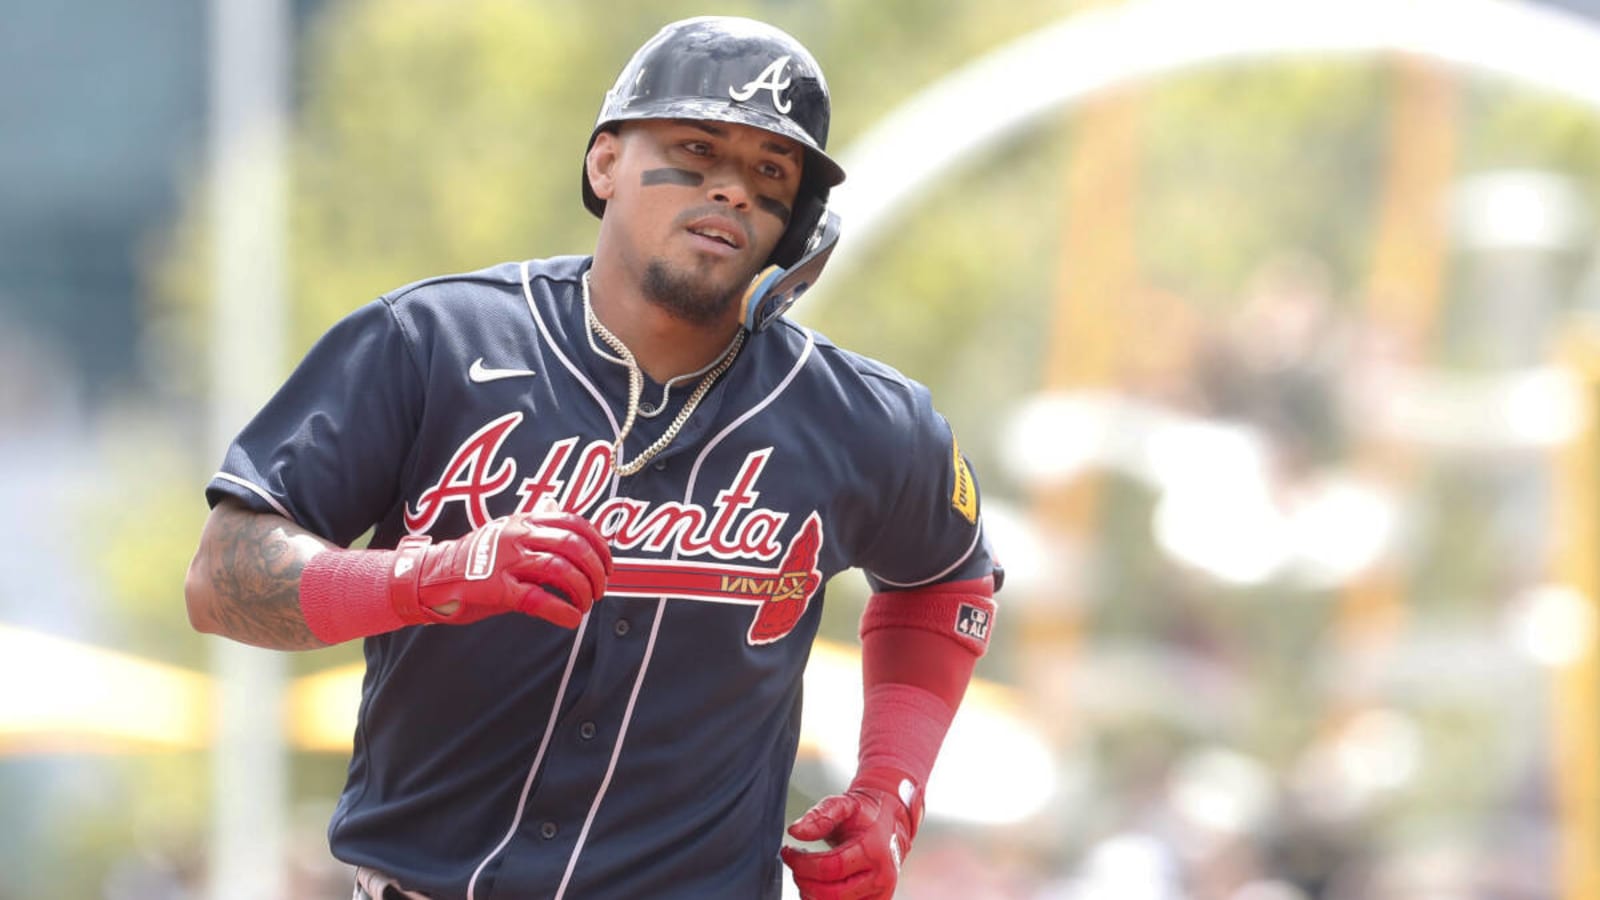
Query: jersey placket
{"type": "Point", "coordinates": [591, 731]}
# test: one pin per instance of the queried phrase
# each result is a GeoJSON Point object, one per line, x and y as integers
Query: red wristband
{"type": "Point", "coordinates": [344, 594]}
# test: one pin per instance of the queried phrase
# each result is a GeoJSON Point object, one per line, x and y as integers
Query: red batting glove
{"type": "Point", "coordinates": [869, 828]}
{"type": "Point", "coordinates": [546, 564]}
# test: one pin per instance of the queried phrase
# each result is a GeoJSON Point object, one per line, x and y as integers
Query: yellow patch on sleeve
{"type": "Point", "coordinates": [964, 499]}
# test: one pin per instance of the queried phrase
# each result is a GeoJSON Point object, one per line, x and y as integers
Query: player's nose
{"type": "Point", "coordinates": [727, 187]}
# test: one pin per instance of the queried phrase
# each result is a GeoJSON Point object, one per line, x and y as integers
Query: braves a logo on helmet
{"type": "Point", "coordinates": [771, 79]}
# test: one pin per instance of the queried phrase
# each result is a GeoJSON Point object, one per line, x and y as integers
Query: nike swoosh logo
{"type": "Point", "coordinates": [480, 373]}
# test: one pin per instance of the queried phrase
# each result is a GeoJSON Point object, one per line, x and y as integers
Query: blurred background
{"type": "Point", "coordinates": [1270, 329]}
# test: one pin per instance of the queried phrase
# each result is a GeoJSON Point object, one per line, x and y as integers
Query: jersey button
{"type": "Point", "coordinates": [660, 465]}
{"type": "Point", "coordinates": [586, 731]}
{"type": "Point", "coordinates": [621, 628]}
{"type": "Point", "coordinates": [548, 830]}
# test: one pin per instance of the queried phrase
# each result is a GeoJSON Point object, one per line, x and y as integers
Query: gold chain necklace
{"type": "Point", "coordinates": [636, 390]}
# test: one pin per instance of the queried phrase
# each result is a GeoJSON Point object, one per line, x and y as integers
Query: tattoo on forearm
{"type": "Point", "coordinates": [255, 568]}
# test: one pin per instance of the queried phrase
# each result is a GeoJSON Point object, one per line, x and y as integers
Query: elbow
{"type": "Point", "coordinates": [199, 597]}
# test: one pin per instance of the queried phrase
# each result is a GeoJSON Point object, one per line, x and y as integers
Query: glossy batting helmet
{"type": "Point", "coordinates": [726, 69]}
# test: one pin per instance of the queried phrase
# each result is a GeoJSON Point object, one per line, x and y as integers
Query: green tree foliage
{"type": "Point", "coordinates": [1505, 126]}
{"type": "Point", "coordinates": [1243, 164]}
{"type": "Point", "coordinates": [435, 137]}
{"type": "Point", "coordinates": [149, 537]}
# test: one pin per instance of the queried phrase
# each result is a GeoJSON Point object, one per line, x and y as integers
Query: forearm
{"type": "Point", "coordinates": [919, 649]}
{"type": "Point", "coordinates": [244, 581]}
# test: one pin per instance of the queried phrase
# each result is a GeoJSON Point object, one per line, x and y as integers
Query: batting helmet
{"type": "Point", "coordinates": [727, 69]}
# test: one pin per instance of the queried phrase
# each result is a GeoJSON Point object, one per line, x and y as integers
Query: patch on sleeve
{"type": "Point", "coordinates": [964, 499]}
{"type": "Point", "coordinates": [973, 621]}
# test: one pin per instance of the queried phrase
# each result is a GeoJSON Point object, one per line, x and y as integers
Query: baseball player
{"type": "Point", "coordinates": [605, 495]}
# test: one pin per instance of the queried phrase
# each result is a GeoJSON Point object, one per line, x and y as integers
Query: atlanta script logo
{"type": "Point", "coordinates": [733, 532]}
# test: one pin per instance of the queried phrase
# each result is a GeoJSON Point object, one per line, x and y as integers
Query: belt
{"type": "Point", "coordinates": [374, 885]}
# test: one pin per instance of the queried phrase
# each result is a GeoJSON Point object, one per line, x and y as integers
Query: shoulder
{"type": "Point", "coordinates": [486, 299]}
{"type": "Point", "coordinates": [886, 413]}
{"type": "Point", "coordinates": [863, 384]}
{"type": "Point", "coordinates": [503, 282]}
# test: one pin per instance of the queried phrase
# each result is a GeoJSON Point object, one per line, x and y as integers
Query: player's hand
{"type": "Point", "coordinates": [869, 830]}
{"type": "Point", "coordinates": [548, 564]}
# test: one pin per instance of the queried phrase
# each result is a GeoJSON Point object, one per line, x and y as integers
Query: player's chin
{"type": "Point", "coordinates": [727, 274]}
{"type": "Point", "coordinates": [695, 293]}
{"type": "Point", "coordinates": [719, 273]}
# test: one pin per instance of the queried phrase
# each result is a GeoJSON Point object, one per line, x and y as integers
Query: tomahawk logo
{"type": "Point", "coordinates": [771, 79]}
{"type": "Point", "coordinates": [780, 595]}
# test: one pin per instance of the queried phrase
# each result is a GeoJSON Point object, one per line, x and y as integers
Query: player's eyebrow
{"type": "Point", "coordinates": [712, 130]}
{"type": "Point", "coordinates": [715, 131]}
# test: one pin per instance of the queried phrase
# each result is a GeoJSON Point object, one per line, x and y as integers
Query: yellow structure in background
{"type": "Point", "coordinates": [64, 696]}
{"type": "Point", "coordinates": [1408, 259]}
{"type": "Point", "coordinates": [1402, 300]}
{"type": "Point", "coordinates": [1575, 684]}
{"type": "Point", "coordinates": [320, 709]}
{"type": "Point", "coordinates": [1095, 282]}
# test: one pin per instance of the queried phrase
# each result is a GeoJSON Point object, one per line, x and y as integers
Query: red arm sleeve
{"type": "Point", "coordinates": [918, 650]}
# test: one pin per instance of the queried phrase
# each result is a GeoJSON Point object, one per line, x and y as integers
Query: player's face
{"type": "Point", "coordinates": [700, 205]}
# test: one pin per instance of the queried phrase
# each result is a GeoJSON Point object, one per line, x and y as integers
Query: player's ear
{"type": "Point", "coordinates": [601, 163]}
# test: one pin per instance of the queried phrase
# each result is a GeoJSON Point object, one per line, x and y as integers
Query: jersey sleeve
{"type": "Point", "coordinates": [932, 528]}
{"type": "Point", "coordinates": [327, 450]}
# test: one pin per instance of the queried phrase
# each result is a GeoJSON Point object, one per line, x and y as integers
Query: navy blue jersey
{"type": "Point", "coordinates": [647, 753]}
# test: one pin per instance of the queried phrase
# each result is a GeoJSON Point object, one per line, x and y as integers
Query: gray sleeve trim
{"type": "Point", "coordinates": [977, 534]}
{"type": "Point", "coordinates": [258, 491]}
